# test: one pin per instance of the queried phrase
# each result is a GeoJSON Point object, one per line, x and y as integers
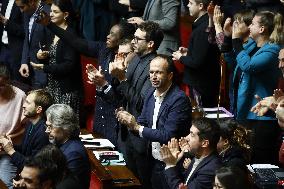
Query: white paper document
{"type": "Point", "coordinates": [97, 143]}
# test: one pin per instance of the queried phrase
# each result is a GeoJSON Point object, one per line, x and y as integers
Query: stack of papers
{"type": "Point", "coordinates": [95, 143]}
{"type": "Point", "coordinates": [119, 161]}
{"type": "Point", "coordinates": [213, 113]}
{"type": "Point", "coordinates": [260, 166]}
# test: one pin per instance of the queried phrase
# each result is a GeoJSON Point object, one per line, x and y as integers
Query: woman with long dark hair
{"type": "Point", "coordinates": [61, 61]}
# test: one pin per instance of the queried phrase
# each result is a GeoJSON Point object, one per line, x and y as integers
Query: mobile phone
{"type": "Point", "coordinates": [170, 50]}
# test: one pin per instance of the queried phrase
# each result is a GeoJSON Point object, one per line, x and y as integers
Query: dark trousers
{"type": "Point", "coordinates": [138, 163]}
{"type": "Point", "coordinates": [7, 58]}
{"type": "Point", "coordinates": [158, 178]}
{"type": "Point", "coordinates": [207, 95]}
{"type": "Point", "coordinates": [265, 140]}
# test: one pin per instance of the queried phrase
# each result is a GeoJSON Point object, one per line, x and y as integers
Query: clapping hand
{"type": "Point", "coordinates": [95, 76]}
{"type": "Point", "coordinates": [168, 158]}
{"type": "Point", "coordinates": [183, 144]}
{"type": "Point", "coordinates": [7, 144]}
{"type": "Point", "coordinates": [118, 67]}
{"type": "Point", "coordinates": [175, 149]}
{"type": "Point", "coordinates": [127, 119]}
{"type": "Point", "coordinates": [228, 27]}
{"type": "Point", "coordinates": [182, 51]}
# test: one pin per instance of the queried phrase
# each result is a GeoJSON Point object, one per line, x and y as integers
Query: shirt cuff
{"type": "Point", "coordinates": [140, 131]}
{"type": "Point", "coordinates": [169, 166]}
{"type": "Point", "coordinates": [107, 89]}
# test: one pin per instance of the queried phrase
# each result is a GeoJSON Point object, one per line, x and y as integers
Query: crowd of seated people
{"type": "Point", "coordinates": [139, 105]}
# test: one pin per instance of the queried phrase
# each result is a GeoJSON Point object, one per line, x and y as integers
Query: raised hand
{"type": "Point", "coordinates": [218, 19]}
{"type": "Point", "coordinates": [263, 105]}
{"type": "Point", "coordinates": [228, 27]}
{"type": "Point", "coordinates": [174, 147]}
{"type": "Point", "coordinates": [167, 156]}
{"type": "Point", "coordinates": [183, 144]}
{"type": "Point", "coordinates": [95, 76]}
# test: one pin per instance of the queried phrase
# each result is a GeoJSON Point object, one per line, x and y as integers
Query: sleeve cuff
{"type": "Point", "coordinates": [169, 166]}
{"type": "Point", "coordinates": [140, 131]}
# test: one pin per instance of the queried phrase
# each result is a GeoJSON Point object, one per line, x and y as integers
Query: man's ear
{"type": "Point", "coordinates": [151, 44]}
{"type": "Point", "coordinates": [201, 6]}
{"type": "Point", "coordinates": [261, 30]}
{"type": "Point", "coordinates": [39, 109]}
{"type": "Point", "coordinates": [205, 143]}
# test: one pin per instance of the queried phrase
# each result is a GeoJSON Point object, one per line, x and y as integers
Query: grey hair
{"type": "Point", "coordinates": [63, 116]}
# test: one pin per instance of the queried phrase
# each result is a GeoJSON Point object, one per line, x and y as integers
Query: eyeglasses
{"type": "Point", "coordinates": [136, 39]}
{"type": "Point", "coordinates": [49, 127]}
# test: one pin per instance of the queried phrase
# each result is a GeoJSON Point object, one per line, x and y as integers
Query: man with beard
{"type": "Point", "coordinates": [63, 130]}
{"type": "Point", "coordinates": [202, 140]}
{"type": "Point", "coordinates": [166, 114]}
{"type": "Point", "coordinates": [34, 137]}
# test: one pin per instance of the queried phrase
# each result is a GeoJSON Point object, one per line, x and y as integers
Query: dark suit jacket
{"type": "Point", "coordinates": [174, 117]}
{"type": "Point", "coordinates": [67, 70]}
{"type": "Point", "coordinates": [39, 33]}
{"type": "Point", "coordinates": [134, 91]}
{"type": "Point", "coordinates": [202, 68]}
{"type": "Point", "coordinates": [201, 178]}
{"type": "Point", "coordinates": [104, 118]}
{"type": "Point", "coordinates": [77, 161]}
{"type": "Point", "coordinates": [34, 140]}
{"type": "Point", "coordinates": [15, 31]}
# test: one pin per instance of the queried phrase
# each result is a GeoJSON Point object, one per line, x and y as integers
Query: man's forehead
{"type": "Point", "coordinates": [194, 129]}
{"type": "Point", "coordinates": [140, 33]}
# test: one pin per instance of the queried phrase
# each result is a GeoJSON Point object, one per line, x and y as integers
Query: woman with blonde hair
{"type": "Point", "coordinates": [258, 63]}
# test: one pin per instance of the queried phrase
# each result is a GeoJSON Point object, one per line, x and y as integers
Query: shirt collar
{"type": "Point", "coordinates": [161, 96]}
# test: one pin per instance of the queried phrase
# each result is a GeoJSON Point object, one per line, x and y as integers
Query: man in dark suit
{"type": "Point", "coordinates": [37, 36]}
{"type": "Point", "coordinates": [201, 59]}
{"type": "Point", "coordinates": [133, 86]}
{"type": "Point", "coordinates": [63, 130]}
{"type": "Point", "coordinates": [12, 37]}
{"type": "Point", "coordinates": [34, 137]}
{"type": "Point", "coordinates": [202, 140]}
{"type": "Point", "coordinates": [166, 114]}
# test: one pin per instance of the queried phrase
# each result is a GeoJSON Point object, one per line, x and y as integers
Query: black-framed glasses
{"type": "Point", "coordinates": [136, 39]}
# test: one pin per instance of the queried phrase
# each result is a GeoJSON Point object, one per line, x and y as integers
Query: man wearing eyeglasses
{"type": "Point", "coordinates": [132, 87]}
{"type": "Point", "coordinates": [63, 131]}
{"type": "Point", "coordinates": [34, 137]}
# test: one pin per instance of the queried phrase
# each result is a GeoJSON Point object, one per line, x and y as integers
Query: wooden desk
{"type": "Point", "coordinates": [108, 177]}
{"type": "Point", "coordinates": [2, 185]}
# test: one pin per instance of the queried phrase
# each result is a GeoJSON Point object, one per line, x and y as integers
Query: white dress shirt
{"type": "Point", "coordinates": [7, 16]}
